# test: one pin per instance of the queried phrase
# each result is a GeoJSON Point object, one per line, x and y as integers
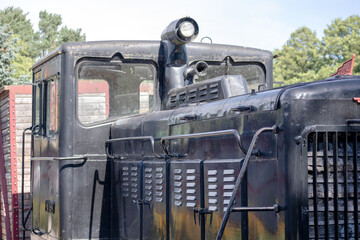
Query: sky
{"type": "Point", "coordinates": [265, 24]}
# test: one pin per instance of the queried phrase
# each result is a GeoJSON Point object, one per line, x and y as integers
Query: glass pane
{"type": "Point", "coordinates": [253, 73]}
{"type": "Point", "coordinates": [37, 78]}
{"type": "Point", "coordinates": [111, 89]}
{"type": "Point", "coordinates": [53, 107]}
{"type": "Point", "coordinates": [93, 100]}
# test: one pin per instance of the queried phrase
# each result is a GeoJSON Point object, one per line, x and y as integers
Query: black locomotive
{"type": "Point", "coordinates": [177, 140]}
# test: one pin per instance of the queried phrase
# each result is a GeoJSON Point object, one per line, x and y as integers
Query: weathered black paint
{"type": "Point", "coordinates": [89, 195]}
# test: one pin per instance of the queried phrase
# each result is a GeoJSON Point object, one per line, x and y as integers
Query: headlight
{"type": "Point", "coordinates": [186, 29]}
{"type": "Point", "coordinates": [181, 31]}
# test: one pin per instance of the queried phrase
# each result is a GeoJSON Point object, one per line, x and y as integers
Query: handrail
{"type": "Point", "coordinates": [240, 177]}
{"type": "Point", "coordinates": [149, 138]}
{"type": "Point", "coordinates": [23, 222]}
{"type": "Point", "coordinates": [23, 219]}
{"type": "Point", "coordinates": [204, 134]}
{"type": "Point", "coordinates": [81, 157]}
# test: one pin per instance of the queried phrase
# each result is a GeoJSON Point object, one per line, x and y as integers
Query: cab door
{"type": "Point", "coordinates": [45, 177]}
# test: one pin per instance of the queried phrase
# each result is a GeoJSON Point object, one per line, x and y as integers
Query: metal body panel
{"type": "Point", "coordinates": [219, 178]}
{"type": "Point", "coordinates": [155, 196]}
{"type": "Point", "coordinates": [141, 197]}
{"type": "Point", "coordinates": [49, 221]}
{"type": "Point", "coordinates": [328, 104]}
{"type": "Point", "coordinates": [128, 193]}
{"type": "Point", "coordinates": [184, 197]}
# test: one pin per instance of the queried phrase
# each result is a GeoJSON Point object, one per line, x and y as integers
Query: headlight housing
{"type": "Point", "coordinates": [181, 31]}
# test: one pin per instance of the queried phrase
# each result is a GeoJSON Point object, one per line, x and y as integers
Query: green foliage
{"type": "Point", "coordinates": [16, 22]}
{"type": "Point", "coordinates": [21, 45]}
{"type": "Point", "coordinates": [70, 35]}
{"type": "Point", "coordinates": [7, 54]}
{"type": "Point", "coordinates": [299, 58]}
{"type": "Point", "coordinates": [305, 58]}
{"type": "Point", "coordinates": [49, 35]}
{"type": "Point", "coordinates": [22, 63]}
{"type": "Point", "coordinates": [48, 31]}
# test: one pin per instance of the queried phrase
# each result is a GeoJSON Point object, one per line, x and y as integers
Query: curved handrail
{"type": "Point", "coordinates": [233, 132]}
{"type": "Point", "coordinates": [149, 138]}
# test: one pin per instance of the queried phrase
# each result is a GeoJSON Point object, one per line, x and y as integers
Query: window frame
{"type": "Point", "coordinates": [108, 60]}
{"type": "Point", "coordinates": [43, 121]}
{"type": "Point", "coordinates": [228, 63]}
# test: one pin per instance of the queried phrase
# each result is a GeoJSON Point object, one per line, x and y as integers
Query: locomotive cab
{"type": "Point", "coordinates": [173, 139]}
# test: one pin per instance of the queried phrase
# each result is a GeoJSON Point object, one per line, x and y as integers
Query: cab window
{"type": "Point", "coordinates": [253, 73]}
{"type": "Point", "coordinates": [109, 89]}
{"type": "Point", "coordinates": [46, 105]}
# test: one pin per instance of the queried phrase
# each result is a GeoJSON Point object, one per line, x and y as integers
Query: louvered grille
{"type": "Point", "coordinates": [205, 93]}
{"type": "Point", "coordinates": [333, 185]}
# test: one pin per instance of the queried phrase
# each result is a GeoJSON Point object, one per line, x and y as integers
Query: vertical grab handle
{"type": "Point", "coordinates": [23, 219]}
{"type": "Point", "coordinates": [243, 169]}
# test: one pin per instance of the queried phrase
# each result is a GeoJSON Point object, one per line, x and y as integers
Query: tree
{"type": "Point", "coordinates": [341, 41]}
{"type": "Point", "coordinates": [7, 54]}
{"type": "Point", "coordinates": [21, 46]}
{"type": "Point", "coordinates": [49, 36]}
{"type": "Point", "coordinates": [48, 31]}
{"type": "Point", "coordinates": [305, 58]}
{"type": "Point", "coordinates": [16, 23]}
{"type": "Point", "coordinates": [21, 63]}
{"type": "Point", "coordinates": [69, 35]}
{"type": "Point", "coordinates": [299, 59]}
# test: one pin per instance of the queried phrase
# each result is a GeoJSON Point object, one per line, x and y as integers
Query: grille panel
{"type": "Point", "coordinates": [207, 93]}
{"type": "Point", "coordinates": [333, 185]}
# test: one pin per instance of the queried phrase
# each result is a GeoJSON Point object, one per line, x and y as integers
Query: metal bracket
{"type": "Point", "coordinates": [142, 202]}
{"type": "Point", "coordinates": [202, 211]}
{"type": "Point", "coordinates": [243, 109]}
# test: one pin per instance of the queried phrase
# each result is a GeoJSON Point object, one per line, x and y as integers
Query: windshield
{"type": "Point", "coordinates": [111, 89]}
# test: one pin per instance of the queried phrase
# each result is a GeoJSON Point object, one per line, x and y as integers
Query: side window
{"type": "Point", "coordinates": [107, 90]}
{"type": "Point", "coordinates": [37, 89]}
{"type": "Point", "coordinates": [52, 106]}
{"type": "Point", "coordinates": [46, 105]}
{"type": "Point", "coordinates": [253, 72]}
